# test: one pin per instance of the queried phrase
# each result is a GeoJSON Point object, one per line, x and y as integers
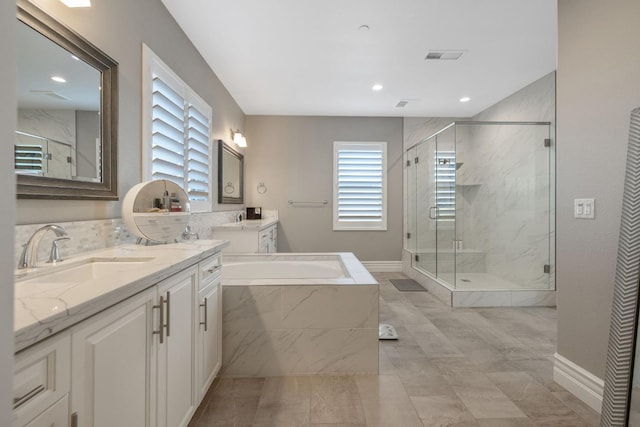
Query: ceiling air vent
{"type": "Point", "coordinates": [444, 54]}
{"type": "Point", "coordinates": [50, 93]}
{"type": "Point", "coordinates": [402, 104]}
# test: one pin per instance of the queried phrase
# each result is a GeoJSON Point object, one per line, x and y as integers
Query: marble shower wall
{"type": "Point", "coordinates": [503, 188]}
{"type": "Point", "coordinates": [504, 208]}
{"type": "Point", "coordinates": [520, 173]}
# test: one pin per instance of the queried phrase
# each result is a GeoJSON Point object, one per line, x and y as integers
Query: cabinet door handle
{"type": "Point", "coordinates": [74, 419]}
{"type": "Point", "coordinates": [161, 323]}
{"type": "Point", "coordinates": [214, 269]}
{"type": "Point", "coordinates": [168, 301]}
{"type": "Point", "coordinates": [19, 401]}
{"type": "Point", "coordinates": [205, 314]}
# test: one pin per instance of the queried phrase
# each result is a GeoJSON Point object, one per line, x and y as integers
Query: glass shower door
{"type": "Point", "coordinates": [426, 237]}
{"type": "Point", "coordinates": [444, 203]}
{"type": "Point", "coordinates": [410, 201]}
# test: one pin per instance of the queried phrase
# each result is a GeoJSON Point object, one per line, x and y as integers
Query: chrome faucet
{"type": "Point", "coordinates": [29, 257]}
{"type": "Point", "coordinates": [239, 217]}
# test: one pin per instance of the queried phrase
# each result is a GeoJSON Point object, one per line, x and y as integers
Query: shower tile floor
{"type": "Point", "coordinates": [484, 281]}
{"type": "Point", "coordinates": [486, 367]}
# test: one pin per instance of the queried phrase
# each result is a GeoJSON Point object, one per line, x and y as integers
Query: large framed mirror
{"type": "Point", "coordinates": [67, 90]}
{"type": "Point", "coordinates": [230, 175]}
{"type": "Point", "coordinates": [621, 400]}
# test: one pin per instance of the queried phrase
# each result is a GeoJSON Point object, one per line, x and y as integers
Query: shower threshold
{"type": "Point", "coordinates": [480, 290]}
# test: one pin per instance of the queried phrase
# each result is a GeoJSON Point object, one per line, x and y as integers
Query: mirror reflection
{"type": "Point", "coordinates": [230, 175]}
{"type": "Point", "coordinates": [58, 126]}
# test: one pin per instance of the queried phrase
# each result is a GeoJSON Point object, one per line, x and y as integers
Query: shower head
{"type": "Point", "coordinates": [459, 165]}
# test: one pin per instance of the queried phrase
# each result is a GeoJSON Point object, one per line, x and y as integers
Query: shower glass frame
{"type": "Point", "coordinates": [512, 246]}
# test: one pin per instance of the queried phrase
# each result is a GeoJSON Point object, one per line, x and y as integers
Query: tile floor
{"type": "Point", "coordinates": [486, 367]}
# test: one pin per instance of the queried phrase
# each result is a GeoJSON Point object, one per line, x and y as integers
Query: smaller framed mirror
{"type": "Point", "coordinates": [230, 175]}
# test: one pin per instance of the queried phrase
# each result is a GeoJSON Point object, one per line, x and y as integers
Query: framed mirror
{"type": "Point", "coordinates": [621, 400]}
{"type": "Point", "coordinates": [230, 175]}
{"type": "Point", "coordinates": [66, 139]}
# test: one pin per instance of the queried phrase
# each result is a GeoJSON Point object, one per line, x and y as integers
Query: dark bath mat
{"type": "Point", "coordinates": [407, 285]}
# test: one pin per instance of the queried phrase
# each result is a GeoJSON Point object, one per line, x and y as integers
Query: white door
{"type": "Point", "coordinates": [176, 391]}
{"type": "Point", "coordinates": [209, 336]}
{"type": "Point", "coordinates": [111, 365]}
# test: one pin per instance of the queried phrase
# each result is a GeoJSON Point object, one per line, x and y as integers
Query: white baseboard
{"type": "Point", "coordinates": [383, 266]}
{"type": "Point", "coordinates": [580, 382]}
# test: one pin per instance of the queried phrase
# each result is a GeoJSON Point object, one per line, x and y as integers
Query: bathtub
{"type": "Point", "coordinates": [298, 314]}
{"type": "Point", "coordinates": [294, 269]}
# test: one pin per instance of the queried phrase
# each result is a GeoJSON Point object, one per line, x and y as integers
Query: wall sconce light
{"type": "Point", "coordinates": [77, 3]}
{"type": "Point", "coordinates": [238, 138]}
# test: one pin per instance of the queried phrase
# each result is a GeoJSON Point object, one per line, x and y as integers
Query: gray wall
{"type": "Point", "coordinates": [598, 84]}
{"type": "Point", "coordinates": [293, 156]}
{"type": "Point", "coordinates": [119, 27]}
{"type": "Point", "coordinates": [7, 207]}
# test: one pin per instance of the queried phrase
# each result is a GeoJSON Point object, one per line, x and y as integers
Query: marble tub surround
{"type": "Point", "coordinates": [300, 326]}
{"type": "Point", "coordinates": [45, 303]}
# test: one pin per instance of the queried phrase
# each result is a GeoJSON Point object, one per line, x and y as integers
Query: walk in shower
{"type": "Point", "coordinates": [479, 208]}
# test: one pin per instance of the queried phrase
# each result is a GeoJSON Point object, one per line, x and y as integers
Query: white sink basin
{"type": "Point", "coordinates": [87, 270]}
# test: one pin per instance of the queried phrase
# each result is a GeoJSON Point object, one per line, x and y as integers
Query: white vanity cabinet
{"type": "Point", "coordinates": [176, 393]}
{"type": "Point", "coordinates": [247, 238]}
{"type": "Point", "coordinates": [41, 384]}
{"type": "Point", "coordinates": [134, 353]}
{"type": "Point", "coordinates": [145, 360]}
{"type": "Point", "coordinates": [209, 325]}
{"type": "Point", "coordinates": [268, 240]}
{"type": "Point", "coordinates": [113, 365]}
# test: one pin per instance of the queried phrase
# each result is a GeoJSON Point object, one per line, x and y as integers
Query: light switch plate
{"type": "Point", "coordinates": [584, 208]}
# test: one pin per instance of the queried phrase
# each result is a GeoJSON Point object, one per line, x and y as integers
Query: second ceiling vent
{"type": "Point", "coordinates": [444, 54]}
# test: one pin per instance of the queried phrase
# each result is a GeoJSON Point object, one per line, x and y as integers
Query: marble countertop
{"type": "Point", "coordinates": [247, 224]}
{"type": "Point", "coordinates": [44, 307]}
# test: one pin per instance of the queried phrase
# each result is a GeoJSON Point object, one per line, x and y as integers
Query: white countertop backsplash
{"type": "Point", "coordinates": [43, 309]}
{"type": "Point", "coordinates": [105, 233]}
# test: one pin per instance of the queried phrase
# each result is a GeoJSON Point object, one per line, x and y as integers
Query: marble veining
{"type": "Point", "coordinates": [504, 191]}
{"type": "Point", "coordinates": [306, 326]}
{"type": "Point", "coordinates": [44, 306]}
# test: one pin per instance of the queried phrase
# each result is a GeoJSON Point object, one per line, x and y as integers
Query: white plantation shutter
{"type": "Point", "coordinates": [197, 154]}
{"type": "Point", "coordinates": [167, 142]}
{"type": "Point", "coordinates": [360, 186]}
{"type": "Point", "coordinates": [445, 168]}
{"type": "Point", "coordinates": [179, 133]}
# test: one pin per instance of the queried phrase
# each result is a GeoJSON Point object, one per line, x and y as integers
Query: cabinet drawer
{"type": "Point", "coordinates": [210, 269]}
{"type": "Point", "coordinates": [41, 376]}
{"type": "Point", "coordinates": [55, 416]}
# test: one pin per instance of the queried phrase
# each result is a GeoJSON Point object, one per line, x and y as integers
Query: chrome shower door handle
{"type": "Point", "coordinates": [434, 212]}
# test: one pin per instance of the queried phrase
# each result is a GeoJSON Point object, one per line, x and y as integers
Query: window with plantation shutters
{"type": "Point", "coordinates": [360, 183]}
{"type": "Point", "coordinates": [177, 133]}
{"type": "Point", "coordinates": [445, 179]}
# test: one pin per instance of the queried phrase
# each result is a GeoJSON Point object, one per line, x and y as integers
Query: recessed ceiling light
{"type": "Point", "coordinates": [76, 3]}
{"type": "Point", "coordinates": [465, 99]}
{"type": "Point", "coordinates": [75, 57]}
{"type": "Point", "coordinates": [377, 87]}
{"type": "Point", "coordinates": [58, 79]}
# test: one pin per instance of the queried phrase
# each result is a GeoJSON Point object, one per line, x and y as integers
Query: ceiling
{"type": "Point", "coordinates": [39, 59]}
{"type": "Point", "coordinates": [293, 57]}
